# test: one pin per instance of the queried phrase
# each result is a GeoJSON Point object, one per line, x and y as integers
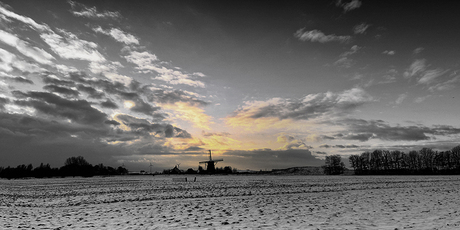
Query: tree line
{"type": "Point", "coordinates": [221, 170]}
{"type": "Point", "coordinates": [73, 166]}
{"type": "Point", "coordinates": [334, 165]}
{"type": "Point", "coordinates": [424, 161]}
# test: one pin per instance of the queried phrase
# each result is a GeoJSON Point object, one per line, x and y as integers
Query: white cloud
{"type": "Point", "coordinates": [143, 60]}
{"type": "Point", "coordinates": [6, 60]}
{"type": "Point", "coordinates": [97, 67]}
{"type": "Point", "coordinates": [65, 69]}
{"type": "Point", "coordinates": [10, 61]}
{"type": "Point", "coordinates": [353, 96]}
{"type": "Point", "coordinates": [447, 85]}
{"type": "Point", "coordinates": [120, 78]}
{"type": "Point", "coordinates": [91, 12]}
{"type": "Point", "coordinates": [344, 61]}
{"type": "Point", "coordinates": [389, 52]}
{"type": "Point", "coordinates": [146, 63]}
{"type": "Point", "coordinates": [291, 142]}
{"type": "Point", "coordinates": [360, 28]}
{"type": "Point", "coordinates": [418, 50]}
{"type": "Point", "coordinates": [199, 74]}
{"type": "Point", "coordinates": [421, 99]}
{"type": "Point", "coordinates": [353, 50]}
{"type": "Point", "coordinates": [119, 35]}
{"type": "Point", "coordinates": [69, 46]}
{"type": "Point", "coordinates": [401, 98]}
{"type": "Point", "coordinates": [308, 107]}
{"type": "Point", "coordinates": [109, 70]}
{"type": "Point", "coordinates": [4, 18]}
{"type": "Point", "coordinates": [417, 67]}
{"type": "Point", "coordinates": [298, 113]}
{"type": "Point", "coordinates": [23, 19]}
{"type": "Point", "coordinates": [388, 78]}
{"type": "Point", "coordinates": [39, 55]}
{"type": "Point", "coordinates": [430, 75]}
{"type": "Point", "coordinates": [354, 4]}
{"type": "Point", "coordinates": [318, 36]}
{"type": "Point", "coordinates": [357, 76]}
{"type": "Point", "coordinates": [176, 77]}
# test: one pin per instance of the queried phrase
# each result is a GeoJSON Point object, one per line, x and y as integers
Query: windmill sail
{"type": "Point", "coordinates": [210, 165]}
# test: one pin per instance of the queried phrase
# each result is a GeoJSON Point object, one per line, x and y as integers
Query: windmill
{"type": "Point", "coordinates": [211, 164]}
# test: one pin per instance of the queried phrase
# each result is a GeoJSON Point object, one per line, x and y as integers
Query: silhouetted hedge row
{"type": "Point", "coordinates": [221, 170]}
{"type": "Point", "coordinates": [73, 166]}
{"type": "Point", "coordinates": [424, 162]}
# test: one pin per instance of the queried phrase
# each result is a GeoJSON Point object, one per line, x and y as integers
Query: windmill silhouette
{"type": "Point", "coordinates": [211, 164]}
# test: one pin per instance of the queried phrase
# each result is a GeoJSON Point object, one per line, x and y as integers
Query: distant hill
{"type": "Point", "coordinates": [305, 170]}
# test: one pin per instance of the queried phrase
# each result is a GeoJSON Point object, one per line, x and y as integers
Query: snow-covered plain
{"type": "Point", "coordinates": [232, 202]}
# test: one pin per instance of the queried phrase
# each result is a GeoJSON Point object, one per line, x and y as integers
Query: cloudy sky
{"type": "Point", "coordinates": [272, 85]}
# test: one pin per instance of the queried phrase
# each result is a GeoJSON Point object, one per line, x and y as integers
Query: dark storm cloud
{"type": "Point", "coordinates": [144, 127]}
{"type": "Point", "coordinates": [445, 130]}
{"type": "Point", "coordinates": [143, 107]}
{"type": "Point", "coordinates": [21, 80]}
{"type": "Point", "coordinates": [297, 144]}
{"type": "Point", "coordinates": [128, 138]}
{"type": "Point", "coordinates": [180, 133]}
{"type": "Point", "coordinates": [128, 95]}
{"type": "Point", "coordinates": [338, 146]}
{"type": "Point", "coordinates": [345, 146]}
{"type": "Point", "coordinates": [3, 102]}
{"type": "Point", "coordinates": [159, 116]}
{"type": "Point", "coordinates": [140, 105]}
{"type": "Point", "coordinates": [118, 89]}
{"type": "Point", "coordinates": [61, 90]}
{"type": "Point", "coordinates": [79, 111]}
{"type": "Point", "coordinates": [39, 128]}
{"type": "Point", "coordinates": [109, 104]}
{"type": "Point", "coordinates": [364, 130]}
{"type": "Point", "coordinates": [25, 139]}
{"type": "Point", "coordinates": [435, 145]}
{"type": "Point", "coordinates": [106, 85]}
{"type": "Point", "coordinates": [320, 153]}
{"type": "Point", "coordinates": [194, 148]}
{"type": "Point", "coordinates": [271, 159]}
{"type": "Point", "coordinates": [92, 92]}
{"type": "Point", "coordinates": [112, 122]}
{"type": "Point", "coordinates": [135, 93]}
{"type": "Point", "coordinates": [54, 81]}
{"type": "Point", "coordinates": [171, 97]}
{"type": "Point", "coordinates": [327, 137]}
{"type": "Point", "coordinates": [208, 134]}
{"type": "Point", "coordinates": [135, 85]}
{"type": "Point", "coordinates": [358, 137]}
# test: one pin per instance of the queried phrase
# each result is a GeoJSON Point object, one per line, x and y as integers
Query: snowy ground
{"type": "Point", "coordinates": [232, 202]}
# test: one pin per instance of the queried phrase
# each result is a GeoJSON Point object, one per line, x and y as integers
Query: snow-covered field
{"type": "Point", "coordinates": [232, 202]}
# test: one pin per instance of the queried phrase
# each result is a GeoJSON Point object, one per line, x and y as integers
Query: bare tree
{"type": "Point", "coordinates": [427, 156]}
{"type": "Point", "coordinates": [334, 165]}
{"type": "Point", "coordinates": [77, 161]}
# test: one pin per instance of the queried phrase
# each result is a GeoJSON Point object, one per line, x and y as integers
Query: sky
{"type": "Point", "coordinates": [264, 85]}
